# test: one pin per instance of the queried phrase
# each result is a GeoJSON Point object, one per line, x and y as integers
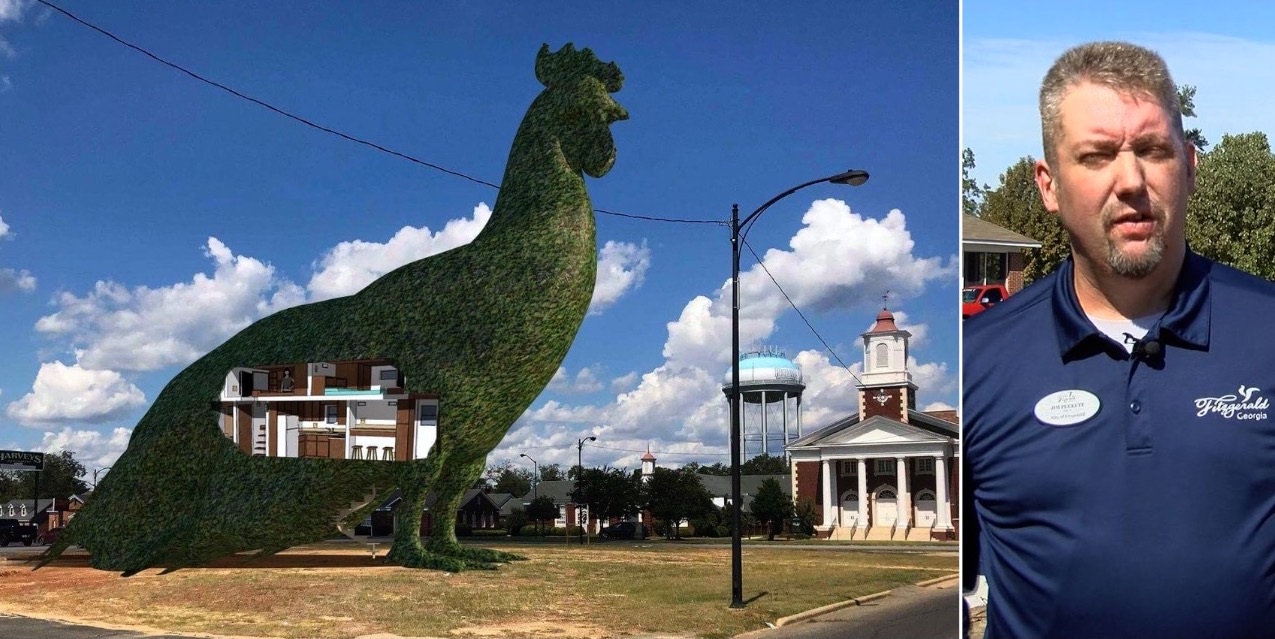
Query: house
{"type": "Point", "coordinates": [479, 509]}
{"type": "Point", "coordinates": [991, 254]}
{"type": "Point", "coordinates": [46, 513]}
{"type": "Point", "coordinates": [336, 410]}
{"type": "Point", "coordinates": [888, 471]}
{"type": "Point", "coordinates": [719, 487]}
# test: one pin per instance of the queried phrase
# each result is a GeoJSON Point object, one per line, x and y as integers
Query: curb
{"type": "Point", "coordinates": [815, 612]}
{"type": "Point", "coordinates": [937, 580]}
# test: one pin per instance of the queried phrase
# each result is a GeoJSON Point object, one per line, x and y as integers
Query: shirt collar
{"type": "Point", "coordinates": [1185, 323]}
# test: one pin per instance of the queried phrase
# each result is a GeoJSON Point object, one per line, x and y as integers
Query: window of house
{"type": "Point", "coordinates": [24, 511]}
{"type": "Point", "coordinates": [389, 375]}
{"type": "Point", "coordinates": [331, 408]}
{"type": "Point", "coordinates": [925, 466]}
{"type": "Point", "coordinates": [428, 413]}
{"type": "Point", "coordinates": [985, 268]}
{"type": "Point", "coordinates": [849, 468]}
{"type": "Point", "coordinates": [885, 466]}
{"type": "Point", "coordinates": [387, 453]}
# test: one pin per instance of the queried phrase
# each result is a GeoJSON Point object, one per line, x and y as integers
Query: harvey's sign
{"type": "Point", "coordinates": [20, 460]}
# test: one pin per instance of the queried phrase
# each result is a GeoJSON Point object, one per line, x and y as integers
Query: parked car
{"type": "Point", "coordinates": [980, 297]}
{"type": "Point", "coordinates": [49, 536]}
{"type": "Point", "coordinates": [15, 530]}
{"type": "Point", "coordinates": [622, 530]}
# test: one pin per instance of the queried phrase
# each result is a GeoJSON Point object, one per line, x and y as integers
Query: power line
{"type": "Point", "coordinates": [325, 129]}
{"type": "Point", "coordinates": [655, 452]}
{"type": "Point", "coordinates": [799, 313]}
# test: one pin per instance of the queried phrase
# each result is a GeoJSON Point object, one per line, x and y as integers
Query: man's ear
{"type": "Point", "coordinates": [1191, 159]}
{"type": "Point", "coordinates": [1048, 189]}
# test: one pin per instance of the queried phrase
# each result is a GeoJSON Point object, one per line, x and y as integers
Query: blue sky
{"type": "Point", "coordinates": [1227, 52]}
{"type": "Point", "coordinates": [146, 217]}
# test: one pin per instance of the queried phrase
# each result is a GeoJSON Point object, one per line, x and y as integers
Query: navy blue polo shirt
{"type": "Point", "coordinates": [1117, 495]}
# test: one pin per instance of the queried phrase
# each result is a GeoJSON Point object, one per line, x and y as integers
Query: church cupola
{"type": "Point", "coordinates": [886, 386]}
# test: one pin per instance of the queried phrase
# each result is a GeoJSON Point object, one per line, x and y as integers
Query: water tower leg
{"type": "Point", "coordinates": [765, 434]}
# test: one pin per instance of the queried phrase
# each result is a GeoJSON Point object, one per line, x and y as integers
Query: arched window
{"type": "Point", "coordinates": [883, 356]}
{"type": "Point", "coordinates": [887, 494]}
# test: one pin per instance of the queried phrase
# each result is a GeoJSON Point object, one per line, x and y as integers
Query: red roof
{"type": "Point", "coordinates": [885, 322]}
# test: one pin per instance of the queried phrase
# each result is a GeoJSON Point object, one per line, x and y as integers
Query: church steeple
{"type": "Point", "coordinates": [886, 386]}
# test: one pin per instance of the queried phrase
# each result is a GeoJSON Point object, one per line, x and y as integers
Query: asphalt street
{"type": "Point", "coordinates": [909, 612]}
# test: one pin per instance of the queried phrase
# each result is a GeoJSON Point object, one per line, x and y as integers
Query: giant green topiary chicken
{"type": "Point", "coordinates": [484, 327]}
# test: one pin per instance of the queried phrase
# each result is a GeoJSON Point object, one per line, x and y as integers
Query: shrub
{"type": "Point", "coordinates": [516, 521]}
{"type": "Point", "coordinates": [464, 530]}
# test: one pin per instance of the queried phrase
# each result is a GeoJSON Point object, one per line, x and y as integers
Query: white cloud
{"type": "Point", "coordinates": [937, 406]}
{"type": "Point", "coordinates": [624, 382]}
{"type": "Point", "coordinates": [72, 393]}
{"type": "Point", "coordinates": [4, 228]}
{"type": "Point", "coordinates": [621, 268]}
{"type": "Point", "coordinates": [11, 280]}
{"type": "Point", "coordinates": [554, 411]}
{"type": "Point", "coordinates": [12, 10]}
{"type": "Point", "coordinates": [584, 381]}
{"type": "Point", "coordinates": [349, 266]}
{"type": "Point", "coordinates": [92, 448]}
{"type": "Point", "coordinates": [149, 328]}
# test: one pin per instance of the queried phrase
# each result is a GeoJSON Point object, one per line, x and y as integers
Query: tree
{"type": "Point", "coordinates": [971, 192]}
{"type": "Point", "coordinates": [516, 521]}
{"type": "Point", "coordinates": [675, 495]}
{"type": "Point", "coordinates": [1016, 205]}
{"type": "Point", "coordinates": [1186, 105]}
{"type": "Point", "coordinates": [772, 507]}
{"type": "Point", "coordinates": [608, 492]}
{"type": "Point", "coordinates": [542, 509]}
{"type": "Point", "coordinates": [1231, 217]}
{"type": "Point", "coordinates": [59, 479]}
{"type": "Point", "coordinates": [507, 477]}
{"type": "Point", "coordinates": [765, 465]}
{"type": "Point", "coordinates": [718, 468]}
{"type": "Point", "coordinates": [552, 472]}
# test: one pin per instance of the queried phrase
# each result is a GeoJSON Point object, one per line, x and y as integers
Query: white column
{"type": "Point", "coordinates": [904, 501]}
{"type": "Point", "coordinates": [234, 423]}
{"type": "Point", "coordinates": [827, 492]}
{"type": "Point", "coordinates": [940, 492]}
{"type": "Point", "coordinates": [349, 418]}
{"type": "Point", "coordinates": [863, 492]}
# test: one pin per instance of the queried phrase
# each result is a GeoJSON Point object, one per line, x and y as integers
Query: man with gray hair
{"type": "Point", "coordinates": [1119, 460]}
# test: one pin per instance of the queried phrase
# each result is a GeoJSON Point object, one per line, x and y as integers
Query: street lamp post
{"type": "Point", "coordinates": [535, 482]}
{"type": "Point", "coordinates": [579, 475]}
{"type": "Point", "coordinates": [853, 178]}
{"type": "Point", "coordinates": [535, 475]}
{"type": "Point", "coordinates": [95, 472]}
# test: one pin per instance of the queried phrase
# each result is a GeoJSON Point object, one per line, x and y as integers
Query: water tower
{"type": "Point", "coordinates": [770, 389]}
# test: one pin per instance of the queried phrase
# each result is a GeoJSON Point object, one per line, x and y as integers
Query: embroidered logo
{"type": "Point", "coordinates": [1247, 404]}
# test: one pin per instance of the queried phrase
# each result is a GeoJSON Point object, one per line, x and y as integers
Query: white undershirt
{"type": "Point", "coordinates": [1116, 329]}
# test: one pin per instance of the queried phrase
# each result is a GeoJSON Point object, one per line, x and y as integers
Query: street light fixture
{"type": "Point", "coordinates": [579, 475]}
{"type": "Point", "coordinates": [852, 177]}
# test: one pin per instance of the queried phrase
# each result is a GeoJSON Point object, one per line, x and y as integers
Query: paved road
{"type": "Point", "coordinates": [909, 612]}
{"type": "Point", "coordinates": [28, 628]}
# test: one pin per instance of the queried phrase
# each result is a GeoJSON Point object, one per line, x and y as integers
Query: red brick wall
{"type": "Point", "coordinates": [1014, 279]}
{"type": "Point", "coordinates": [892, 408]}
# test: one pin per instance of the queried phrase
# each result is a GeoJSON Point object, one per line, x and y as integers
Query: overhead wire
{"type": "Point", "coordinates": [345, 136]}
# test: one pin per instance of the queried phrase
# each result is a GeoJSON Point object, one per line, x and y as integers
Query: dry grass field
{"type": "Point", "coordinates": [338, 591]}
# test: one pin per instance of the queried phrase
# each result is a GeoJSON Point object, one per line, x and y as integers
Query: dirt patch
{"type": "Point", "coordinates": [335, 591]}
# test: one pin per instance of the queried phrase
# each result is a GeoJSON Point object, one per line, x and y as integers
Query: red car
{"type": "Point", "coordinates": [49, 536]}
{"type": "Point", "coordinates": [980, 297]}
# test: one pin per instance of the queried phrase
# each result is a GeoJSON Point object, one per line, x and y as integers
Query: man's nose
{"type": "Point", "coordinates": [1129, 176]}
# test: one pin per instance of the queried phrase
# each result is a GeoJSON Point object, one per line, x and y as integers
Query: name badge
{"type": "Point", "coordinates": [1067, 407]}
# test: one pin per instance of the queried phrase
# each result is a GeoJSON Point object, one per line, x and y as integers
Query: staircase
{"type": "Point", "coordinates": [348, 530]}
{"type": "Point", "coordinates": [259, 440]}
